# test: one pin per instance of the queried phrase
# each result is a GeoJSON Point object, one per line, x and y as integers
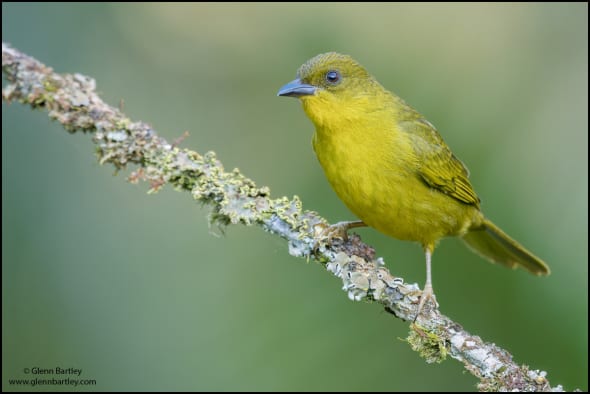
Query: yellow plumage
{"type": "Point", "coordinates": [391, 167]}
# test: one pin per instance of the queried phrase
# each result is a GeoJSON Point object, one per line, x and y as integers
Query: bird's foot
{"type": "Point", "coordinates": [327, 234]}
{"type": "Point", "coordinates": [427, 296]}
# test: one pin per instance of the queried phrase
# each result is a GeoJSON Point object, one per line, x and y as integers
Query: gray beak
{"type": "Point", "coordinates": [296, 88]}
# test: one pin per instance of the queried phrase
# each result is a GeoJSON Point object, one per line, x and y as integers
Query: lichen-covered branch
{"type": "Point", "coordinates": [71, 99]}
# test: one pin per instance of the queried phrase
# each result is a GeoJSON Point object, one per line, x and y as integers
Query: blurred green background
{"type": "Point", "coordinates": [138, 291]}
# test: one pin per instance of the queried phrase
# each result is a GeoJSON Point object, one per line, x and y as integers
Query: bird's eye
{"type": "Point", "coordinates": [333, 77]}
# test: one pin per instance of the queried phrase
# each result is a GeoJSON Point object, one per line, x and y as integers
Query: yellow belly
{"type": "Point", "coordinates": [377, 181]}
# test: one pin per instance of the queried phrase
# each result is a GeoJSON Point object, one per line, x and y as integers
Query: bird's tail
{"type": "Point", "coordinates": [495, 245]}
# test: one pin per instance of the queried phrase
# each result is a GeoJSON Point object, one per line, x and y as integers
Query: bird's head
{"type": "Point", "coordinates": [332, 83]}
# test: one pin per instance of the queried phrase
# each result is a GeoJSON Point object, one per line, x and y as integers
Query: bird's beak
{"type": "Point", "coordinates": [296, 88]}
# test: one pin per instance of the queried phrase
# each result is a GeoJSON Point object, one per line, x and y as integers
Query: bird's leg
{"type": "Point", "coordinates": [427, 292]}
{"type": "Point", "coordinates": [339, 230]}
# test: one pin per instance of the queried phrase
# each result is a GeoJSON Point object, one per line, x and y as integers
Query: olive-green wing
{"type": "Point", "coordinates": [438, 166]}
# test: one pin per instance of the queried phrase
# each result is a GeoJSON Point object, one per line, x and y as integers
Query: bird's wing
{"type": "Point", "coordinates": [437, 165]}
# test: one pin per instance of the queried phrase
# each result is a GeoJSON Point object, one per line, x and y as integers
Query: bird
{"type": "Point", "coordinates": [391, 167]}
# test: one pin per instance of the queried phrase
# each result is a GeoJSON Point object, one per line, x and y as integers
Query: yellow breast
{"type": "Point", "coordinates": [372, 167]}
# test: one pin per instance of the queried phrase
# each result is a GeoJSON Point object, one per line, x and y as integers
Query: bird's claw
{"type": "Point", "coordinates": [427, 295]}
{"type": "Point", "coordinates": [325, 234]}
{"type": "Point", "coordinates": [336, 231]}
